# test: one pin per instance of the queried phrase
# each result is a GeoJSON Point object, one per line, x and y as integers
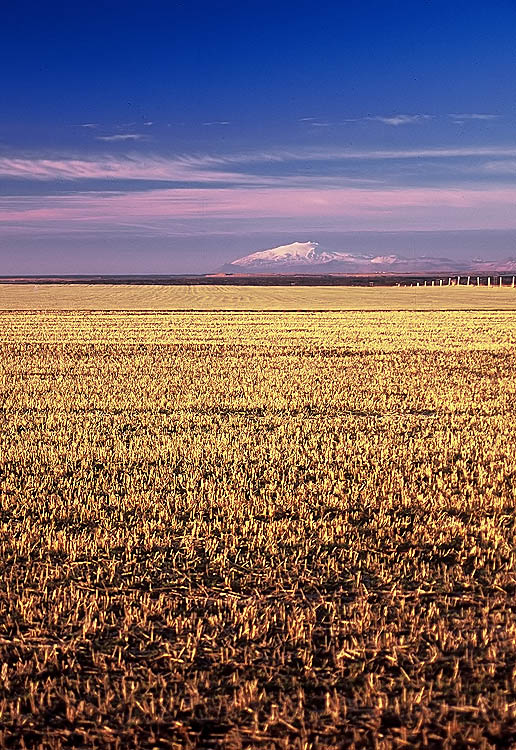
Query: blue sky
{"type": "Point", "coordinates": [172, 137]}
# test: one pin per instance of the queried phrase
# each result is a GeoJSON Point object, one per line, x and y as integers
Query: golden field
{"type": "Point", "coordinates": [223, 297]}
{"type": "Point", "coordinates": [258, 530]}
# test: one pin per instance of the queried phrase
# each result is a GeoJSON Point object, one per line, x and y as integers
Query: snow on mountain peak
{"type": "Point", "coordinates": [296, 252]}
{"type": "Point", "coordinates": [385, 259]}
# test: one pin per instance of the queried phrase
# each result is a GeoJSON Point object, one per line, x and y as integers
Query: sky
{"type": "Point", "coordinates": [172, 137]}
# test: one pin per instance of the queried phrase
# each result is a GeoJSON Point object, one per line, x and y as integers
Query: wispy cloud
{"type": "Point", "coordinates": [414, 119]}
{"type": "Point", "coordinates": [216, 122]}
{"type": "Point", "coordinates": [396, 120]}
{"type": "Point", "coordinates": [312, 154]}
{"type": "Point", "coordinates": [425, 208]}
{"type": "Point", "coordinates": [499, 167]}
{"type": "Point", "coordinates": [128, 167]}
{"type": "Point", "coordinates": [315, 122]}
{"type": "Point", "coordinates": [121, 137]}
{"type": "Point", "coordinates": [278, 185]}
{"type": "Point", "coordinates": [474, 116]}
{"type": "Point", "coordinates": [91, 125]}
{"type": "Point", "coordinates": [252, 167]}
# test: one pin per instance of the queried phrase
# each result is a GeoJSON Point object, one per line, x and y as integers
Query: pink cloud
{"type": "Point", "coordinates": [209, 168]}
{"type": "Point", "coordinates": [115, 168]}
{"type": "Point", "coordinates": [431, 207]}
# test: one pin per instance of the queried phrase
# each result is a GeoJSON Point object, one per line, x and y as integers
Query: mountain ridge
{"type": "Point", "coordinates": [307, 257]}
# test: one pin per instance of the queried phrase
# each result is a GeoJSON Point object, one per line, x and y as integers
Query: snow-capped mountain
{"type": "Point", "coordinates": [297, 257]}
{"type": "Point", "coordinates": [304, 253]}
{"type": "Point", "coordinates": [308, 257]}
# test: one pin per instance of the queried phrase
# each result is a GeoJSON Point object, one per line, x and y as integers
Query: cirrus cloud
{"type": "Point", "coordinates": [396, 120]}
{"type": "Point", "coordinates": [121, 137]}
{"type": "Point", "coordinates": [214, 167]}
{"type": "Point", "coordinates": [428, 207]}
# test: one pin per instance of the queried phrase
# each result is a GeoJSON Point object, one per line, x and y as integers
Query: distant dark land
{"type": "Point", "coordinates": [381, 280]}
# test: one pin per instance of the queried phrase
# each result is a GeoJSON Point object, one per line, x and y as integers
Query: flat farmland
{"type": "Point", "coordinates": [279, 298]}
{"type": "Point", "coordinates": [257, 529]}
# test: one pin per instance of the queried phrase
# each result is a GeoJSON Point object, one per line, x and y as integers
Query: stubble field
{"type": "Point", "coordinates": [258, 530]}
{"type": "Point", "coordinates": [196, 297]}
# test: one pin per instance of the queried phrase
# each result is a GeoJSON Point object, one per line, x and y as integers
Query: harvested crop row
{"type": "Point", "coordinates": [251, 530]}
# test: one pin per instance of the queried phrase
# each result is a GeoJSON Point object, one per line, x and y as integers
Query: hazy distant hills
{"type": "Point", "coordinates": [309, 258]}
